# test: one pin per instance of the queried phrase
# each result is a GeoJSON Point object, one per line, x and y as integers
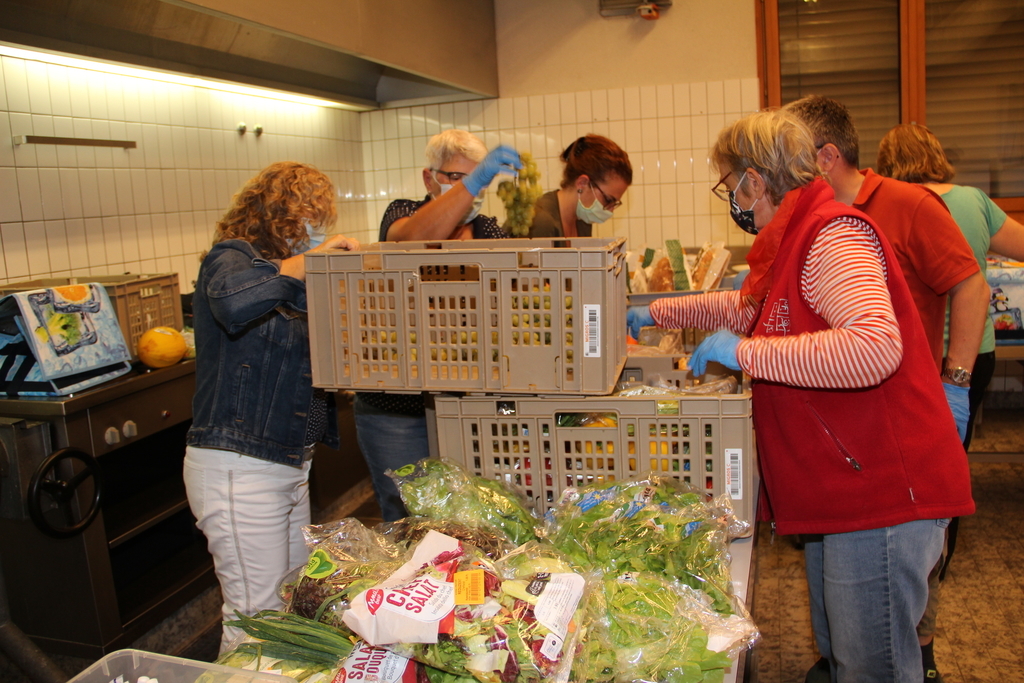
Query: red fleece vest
{"type": "Point", "coordinates": [834, 461]}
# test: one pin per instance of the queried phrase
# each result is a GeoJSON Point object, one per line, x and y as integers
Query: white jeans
{"type": "Point", "coordinates": [252, 512]}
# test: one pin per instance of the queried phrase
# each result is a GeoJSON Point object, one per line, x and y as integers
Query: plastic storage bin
{"type": "Point", "coordinates": [140, 301]}
{"type": "Point", "coordinates": [537, 316]}
{"type": "Point", "coordinates": [534, 443]}
{"type": "Point", "coordinates": [130, 665]}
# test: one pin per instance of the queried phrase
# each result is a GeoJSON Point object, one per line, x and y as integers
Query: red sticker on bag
{"type": "Point", "coordinates": [374, 599]}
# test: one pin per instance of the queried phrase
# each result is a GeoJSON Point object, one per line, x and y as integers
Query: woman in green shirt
{"type": "Point", "coordinates": [912, 153]}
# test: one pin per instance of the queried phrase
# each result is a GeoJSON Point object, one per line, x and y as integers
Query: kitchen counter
{"type": "Point", "coordinates": [743, 577]}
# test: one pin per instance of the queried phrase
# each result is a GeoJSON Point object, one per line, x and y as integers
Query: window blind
{"type": "Point", "coordinates": [847, 51]}
{"type": "Point", "coordinates": [975, 90]}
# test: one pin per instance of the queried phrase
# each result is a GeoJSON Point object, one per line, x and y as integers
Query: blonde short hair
{"type": "Point", "coordinates": [448, 144]}
{"type": "Point", "coordinates": [775, 143]}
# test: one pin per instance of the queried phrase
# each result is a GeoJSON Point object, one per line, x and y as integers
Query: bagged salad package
{"type": "Point", "coordinates": [648, 627]}
{"type": "Point", "coordinates": [411, 530]}
{"type": "Point", "coordinates": [656, 524]}
{"type": "Point", "coordinates": [628, 581]}
{"type": "Point", "coordinates": [440, 488]}
{"type": "Point", "coordinates": [449, 607]}
{"type": "Point", "coordinates": [345, 558]}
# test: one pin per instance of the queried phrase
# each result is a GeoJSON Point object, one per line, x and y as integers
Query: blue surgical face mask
{"type": "Point", "coordinates": [743, 217]}
{"type": "Point", "coordinates": [595, 213]}
{"type": "Point", "coordinates": [315, 235]}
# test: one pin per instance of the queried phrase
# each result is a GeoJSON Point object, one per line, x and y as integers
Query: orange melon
{"type": "Point", "coordinates": [159, 347]}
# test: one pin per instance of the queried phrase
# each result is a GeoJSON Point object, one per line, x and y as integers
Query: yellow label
{"type": "Point", "coordinates": [469, 587]}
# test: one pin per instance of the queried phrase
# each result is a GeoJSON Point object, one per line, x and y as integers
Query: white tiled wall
{"type": "Point", "coordinates": [72, 210]}
{"type": "Point", "coordinates": [666, 130]}
{"type": "Point", "coordinates": [75, 210]}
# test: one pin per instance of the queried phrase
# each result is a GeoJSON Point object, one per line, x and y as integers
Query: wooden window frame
{"type": "Point", "coordinates": [912, 70]}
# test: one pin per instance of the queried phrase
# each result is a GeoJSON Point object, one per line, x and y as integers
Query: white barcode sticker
{"type": "Point", "coordinates": [734, 472]}
{"type": "Point", "coordinates": [592, 330]}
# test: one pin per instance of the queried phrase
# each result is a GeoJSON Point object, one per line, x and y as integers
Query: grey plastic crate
{"type": "Point", "coordinates": [538, 316]}
{"type": "Point", "coordinates": [126, 666]}
{"type": "Point", "coordinates": [706, 440]}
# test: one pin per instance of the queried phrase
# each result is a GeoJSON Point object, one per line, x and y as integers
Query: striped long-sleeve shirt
{"type": "Point", "coordinates": [843, 281]}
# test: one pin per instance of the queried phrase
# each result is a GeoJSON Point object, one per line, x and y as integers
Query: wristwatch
{"type": "Point", "coordinates": [957, 375]}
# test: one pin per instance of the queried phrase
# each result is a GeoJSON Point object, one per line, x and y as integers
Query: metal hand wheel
{"type": "Point", "coordinates": [46, 482]}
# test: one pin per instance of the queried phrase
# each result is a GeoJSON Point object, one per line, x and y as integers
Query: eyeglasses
{"type": "Point", "coordinates": [453, 176]}
{"type": "Point", "coordinates": [609, 203]}
{"type": "Point", "coordinates": [722, 190]}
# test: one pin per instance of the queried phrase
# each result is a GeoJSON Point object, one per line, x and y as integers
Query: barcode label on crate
{"type": "Point", "coordinates": [592, 330]}
{"type": "Point", "coordinates": [734, 472]}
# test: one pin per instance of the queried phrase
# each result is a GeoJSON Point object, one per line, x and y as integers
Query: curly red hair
{"type": "Point", "coordinates": [269, 210]}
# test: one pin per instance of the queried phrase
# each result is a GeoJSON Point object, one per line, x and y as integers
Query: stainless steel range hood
{"type": "Point", "coordinates": [200, 40]}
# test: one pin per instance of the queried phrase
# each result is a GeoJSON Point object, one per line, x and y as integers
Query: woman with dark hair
{"type": "Point", "coordinates": [596, 175]}
{"type": "Point", "coordinates": [256, 417]}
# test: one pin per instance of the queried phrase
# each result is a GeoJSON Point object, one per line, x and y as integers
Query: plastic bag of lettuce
{"type": "Point", "coordinates": [656, 524]}
{"type": "Point", "coordinates": [440, 488]}
{"type": "Point", "coordinates": [648, 627]}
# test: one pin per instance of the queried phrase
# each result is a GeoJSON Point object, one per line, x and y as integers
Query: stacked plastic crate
{"type": "Point", "coordinates": [532, 335]}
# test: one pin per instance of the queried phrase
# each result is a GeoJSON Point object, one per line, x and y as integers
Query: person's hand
{"type": "Point", "coordinates": [637, 317]}
{"type": "Point", "coordinates": [959, 403]}
{"type": "Point", "coordinates": [338, 242]}
{"type": "Point", "coordinates": [501, 158]}
{"type": "Point", "coordinates": [719, 347]}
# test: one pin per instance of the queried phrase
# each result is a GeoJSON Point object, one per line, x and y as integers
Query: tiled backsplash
{"type": "Point", "coordinates": [666, 130]}
{"type": "Point", "coordinates": [75, 210]}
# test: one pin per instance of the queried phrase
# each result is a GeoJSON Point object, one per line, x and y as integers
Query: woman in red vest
{"type": "Point", "coordinates": [857, 446]}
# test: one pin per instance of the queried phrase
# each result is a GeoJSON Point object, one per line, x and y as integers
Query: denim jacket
{"type": "Point", "coordinates": [254, 382]}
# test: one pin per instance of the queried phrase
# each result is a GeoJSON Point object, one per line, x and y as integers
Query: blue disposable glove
{"type": "Point", "coordinates": [637, 317]}
{"type": "Point", "coordinates": [720, 347]}
{"type": "Point", "coordinates": [737, 282]}
{"type": "Point", "coordinates": [959, 402]}
{"type": "Point", "coordinates": [501, 158]}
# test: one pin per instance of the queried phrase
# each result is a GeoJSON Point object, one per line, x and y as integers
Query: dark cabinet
{"type": "Point", "coordinates": [142, 557]}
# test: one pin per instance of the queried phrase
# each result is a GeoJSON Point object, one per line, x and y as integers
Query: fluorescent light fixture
{"type": "Point", "coordinates": [168, 77]}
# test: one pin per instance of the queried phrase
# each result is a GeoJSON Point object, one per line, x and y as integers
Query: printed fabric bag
{"type": "Point", "coordinates": [56, 341]}
{"type": "Point", "coordinates": [1007, 301]}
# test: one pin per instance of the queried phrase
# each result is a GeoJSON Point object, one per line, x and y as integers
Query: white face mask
{"type": "Point", "coordinates": [595, 213]}
{"type": "Point", "coordinates": [474, 210]}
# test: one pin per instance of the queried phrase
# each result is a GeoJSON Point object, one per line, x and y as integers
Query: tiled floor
{"type": "Point", "coordinates": [981, 615]}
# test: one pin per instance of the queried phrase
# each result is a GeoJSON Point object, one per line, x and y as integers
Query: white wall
{"type": "Point", "coordinates": [72, 210]}
{"type": "Point", "coordinates": [547, 46]}
{"type": "Point", "coordinates": [666, 130]}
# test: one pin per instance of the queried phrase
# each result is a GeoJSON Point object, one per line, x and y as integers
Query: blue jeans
{"type": "Point", "coordinates": [868, 590]}
{"type": "Point", "coordinates": [389, 441]}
